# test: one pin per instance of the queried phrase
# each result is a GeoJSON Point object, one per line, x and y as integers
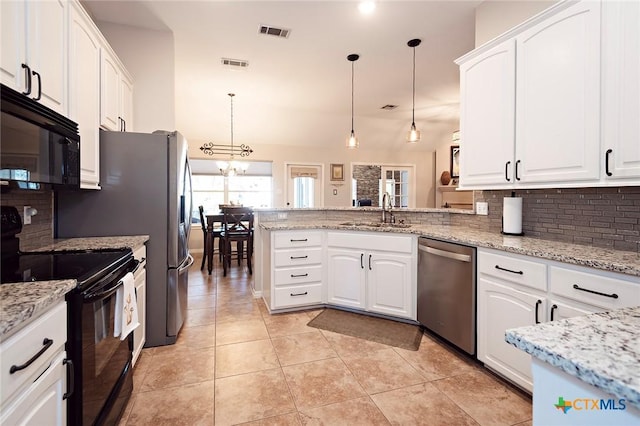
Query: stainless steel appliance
{"type": "Point", "coordinates": [447, 291]}
{"type": "Point", "coordinates": [146, 190]}
{"type": "Point", "coordinates": [38, 144]}
{"type": "Point", "coordinates": [100, 377]}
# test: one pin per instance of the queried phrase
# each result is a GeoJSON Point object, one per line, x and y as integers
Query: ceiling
{"type": "Point", "coordinates": [297, 90]}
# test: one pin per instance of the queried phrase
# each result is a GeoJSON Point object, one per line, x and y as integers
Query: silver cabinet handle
{"type": "Point", "coordinates": [447, 254]}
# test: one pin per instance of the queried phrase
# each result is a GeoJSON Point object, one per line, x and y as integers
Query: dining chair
{"type": "Point", "coordinates": [205, 251]}
{"type": "Point", "coordinates": [237, 226]}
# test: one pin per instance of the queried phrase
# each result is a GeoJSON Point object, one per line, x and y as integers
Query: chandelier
{"type": "Point", "coordinates": [231, 167]}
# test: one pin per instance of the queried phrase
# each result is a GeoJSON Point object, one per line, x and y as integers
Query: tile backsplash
{"type": "Point", "coordinates": [599, 217]}
{"type": "Point", "coordinates": [40, 232]}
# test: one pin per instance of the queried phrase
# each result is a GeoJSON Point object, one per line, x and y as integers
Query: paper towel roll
{"type": "Point", "coordinates": [512, 215]}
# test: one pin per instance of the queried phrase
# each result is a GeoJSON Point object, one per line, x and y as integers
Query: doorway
{"type": "Point", "coordinates": [304, 185]}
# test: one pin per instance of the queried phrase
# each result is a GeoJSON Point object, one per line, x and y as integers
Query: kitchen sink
{"type": "Point", "coordinates": [377, 224]}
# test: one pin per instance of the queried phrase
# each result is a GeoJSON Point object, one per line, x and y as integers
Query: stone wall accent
{"type": "Point", "coordinates": [40, 232]}
{"type": "Point", "coordinates": [368, 183]}
{"type": "Point", "coordinates": [599, 217]}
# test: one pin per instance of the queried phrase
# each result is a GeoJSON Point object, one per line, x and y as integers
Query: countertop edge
{"type": "Point", "coordinates": [568, 253]}
{"type": "Point", "coordinates": [576, 368]}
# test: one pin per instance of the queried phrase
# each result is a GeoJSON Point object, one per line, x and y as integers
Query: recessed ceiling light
{"type": "Point", "coordinates": [367, 7]}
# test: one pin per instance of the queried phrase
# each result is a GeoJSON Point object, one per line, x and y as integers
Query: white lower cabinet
{"type": "Point", "coordinates": [372, 272]}
{"type": "Point", "coordinates": [296, 275]}
{"type": "Point", "coordinates": [501, 307]}
{"type": "Point", "coordinates": [140, 283]}
{"type": "Point", "coordinates": [42, 403]}
{"type": "Point", "coordinates": [516, 291]}
{"type": "Point", "coordinates": [33, 372]}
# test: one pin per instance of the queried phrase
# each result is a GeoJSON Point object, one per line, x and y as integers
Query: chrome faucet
{"type": "Point", "coordinates": [386, 200]}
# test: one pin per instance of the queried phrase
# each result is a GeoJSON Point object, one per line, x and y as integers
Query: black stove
{"type": "Point", "coordinates": [84, 266]}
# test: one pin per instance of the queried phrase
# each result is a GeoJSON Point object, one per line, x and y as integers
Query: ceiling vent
{"type": "Point", "coordinates": [278, 32]}
{"type": "Point", "coordinates": [389, 107]}
{"type": "Point", "coordinates": [236, 63]}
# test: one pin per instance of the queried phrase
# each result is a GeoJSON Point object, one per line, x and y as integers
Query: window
{"type": "Point", "coordinates": [210, 191]}
{"type": "Point", "coordinates": [303, 191]}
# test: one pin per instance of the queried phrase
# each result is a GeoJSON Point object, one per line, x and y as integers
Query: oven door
{"type": "Point", "coordinates": [106, 374]}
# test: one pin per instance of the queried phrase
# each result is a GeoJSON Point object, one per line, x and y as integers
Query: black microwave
{"type": "Point", "coordinates": [37, 145]}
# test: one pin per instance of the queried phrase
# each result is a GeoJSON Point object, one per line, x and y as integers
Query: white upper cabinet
{"type": "Point", "coordinates": [621, 92]}
{"type": "Point", "coordinates": [116, 94]}
{"type": "Point", "coordinates": [84, 92]}
{"type": "Point", "coordinates": [34, 50]}
{"type": "Point", "coordinates": [558, 98]}
{"type": "Point", "coordinates": [554, 102]}
{"type": "Point", "coordinates": [489, 127]}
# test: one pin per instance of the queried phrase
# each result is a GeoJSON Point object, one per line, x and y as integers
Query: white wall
{"type": "Point", "coordinates": [495, 17]}
{"type": "Point", "coordinates": [149, 56]}
{"type": "Point", "coordinates": [281, 154]}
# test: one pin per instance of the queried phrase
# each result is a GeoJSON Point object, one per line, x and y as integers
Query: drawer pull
{"type": "Point", "coordinates": [299, 257]}
{"type": "Point", "coordinates": [612, 295]}
{"type": "Point", "coordinates": [553, 308]}
{"type": "Point", "coordinates": [538, 303]}
{"type": "Point", "coordinates": [299, 275]}
{"type": "Point", "coordinates": [304, 240]}
{"type": "Point", "coordinates": [509, 270]}
{"type": "Point", "coordinates": [299, 294]}
{"type": "Point", "coordinates": [47, 344]}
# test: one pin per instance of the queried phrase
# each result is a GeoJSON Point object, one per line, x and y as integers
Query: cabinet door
{"type": "Point", "coordinates": [84, 91]}
{"type": "Point", "coordinates": [13, 44]}
{"type": "Point", "coordinates": [140, 333]}
{"type": "Point", "coordinates": [346, 278]}
{"type": "Point", "coordinates": [41, 403]}
{"type": "Point", "coordinates": [487, 88]}
{"type": "Point", "coordinates": [126, 104]}
{"type": "Point", "coordinates": [389, 284]}
{"type": "Point", "coordinates": [109, 91]}
{"type": "Point", "coordinates": [621, 91]}
{"type": "Point", "coordinates": [501, 307]}
{"type": "Point", "coordinates": [558, 98]}
{"type": "Point", "coordinates": [47, 52]}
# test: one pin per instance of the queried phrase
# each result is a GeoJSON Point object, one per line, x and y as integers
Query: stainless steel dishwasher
{"type": "Point", "coordinates": [447, 291]}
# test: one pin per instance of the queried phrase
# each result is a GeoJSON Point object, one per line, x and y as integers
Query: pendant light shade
{"type": "Point", "coordinates": [414, 134]}
{"type": "Point", "coordinates": [352, 140]}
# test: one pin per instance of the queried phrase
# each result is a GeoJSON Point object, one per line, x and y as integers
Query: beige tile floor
{"type": "Point", "coordinates": [234, 363]}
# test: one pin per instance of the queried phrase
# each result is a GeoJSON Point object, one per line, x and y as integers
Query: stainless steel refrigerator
{"type": "Point", "coordinates": [146, 189]}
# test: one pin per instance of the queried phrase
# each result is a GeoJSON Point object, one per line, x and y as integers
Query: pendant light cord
{"type": "Point", "coordinates": [231, 95]}
{"type": "Point", "coordinates": [413, 108]}
{"type": "Point", "coordinates": [352, 97]}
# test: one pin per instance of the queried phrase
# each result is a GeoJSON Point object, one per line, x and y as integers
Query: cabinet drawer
{"type": "Point", "coordinates": [291, 239]}
{"type": "Point", "coordinates": [307, 256]}
{"type": "Point", "coordinates": [19, 348]}
{"type": "Point", "coordinates": [377, 241]}
{"type": "Point", "coordinates": [598, 290]}
{"type": "Point", "coordinates": [513, 268]}
{"type": "Point", "coordinates": [298, 295]}
{"type": "Point", "coordinates": [303, 274]}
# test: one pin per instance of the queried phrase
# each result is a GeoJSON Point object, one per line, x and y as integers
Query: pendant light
{"type": "Point", "coordinates": [352, 141]}
{"type": "Point", "coordinates": [232, 167]}
{"type": "Point", "coordinates": [414, 135]}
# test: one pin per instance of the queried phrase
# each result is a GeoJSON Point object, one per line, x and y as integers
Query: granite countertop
{"type": "Point", "coordinates": [364, 209]}
{"type": "Point", "coordinates": [19, 302]}
{"type": "Point", "coordinates": [96, 243]}
{"type": "Point", "coordinates": [600, 349]}
{"type": "Point", "coordinates": [625, 262]}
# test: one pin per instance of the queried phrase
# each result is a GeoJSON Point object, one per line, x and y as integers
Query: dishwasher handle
{"type": "Point", "coordinates": [447, 254]}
